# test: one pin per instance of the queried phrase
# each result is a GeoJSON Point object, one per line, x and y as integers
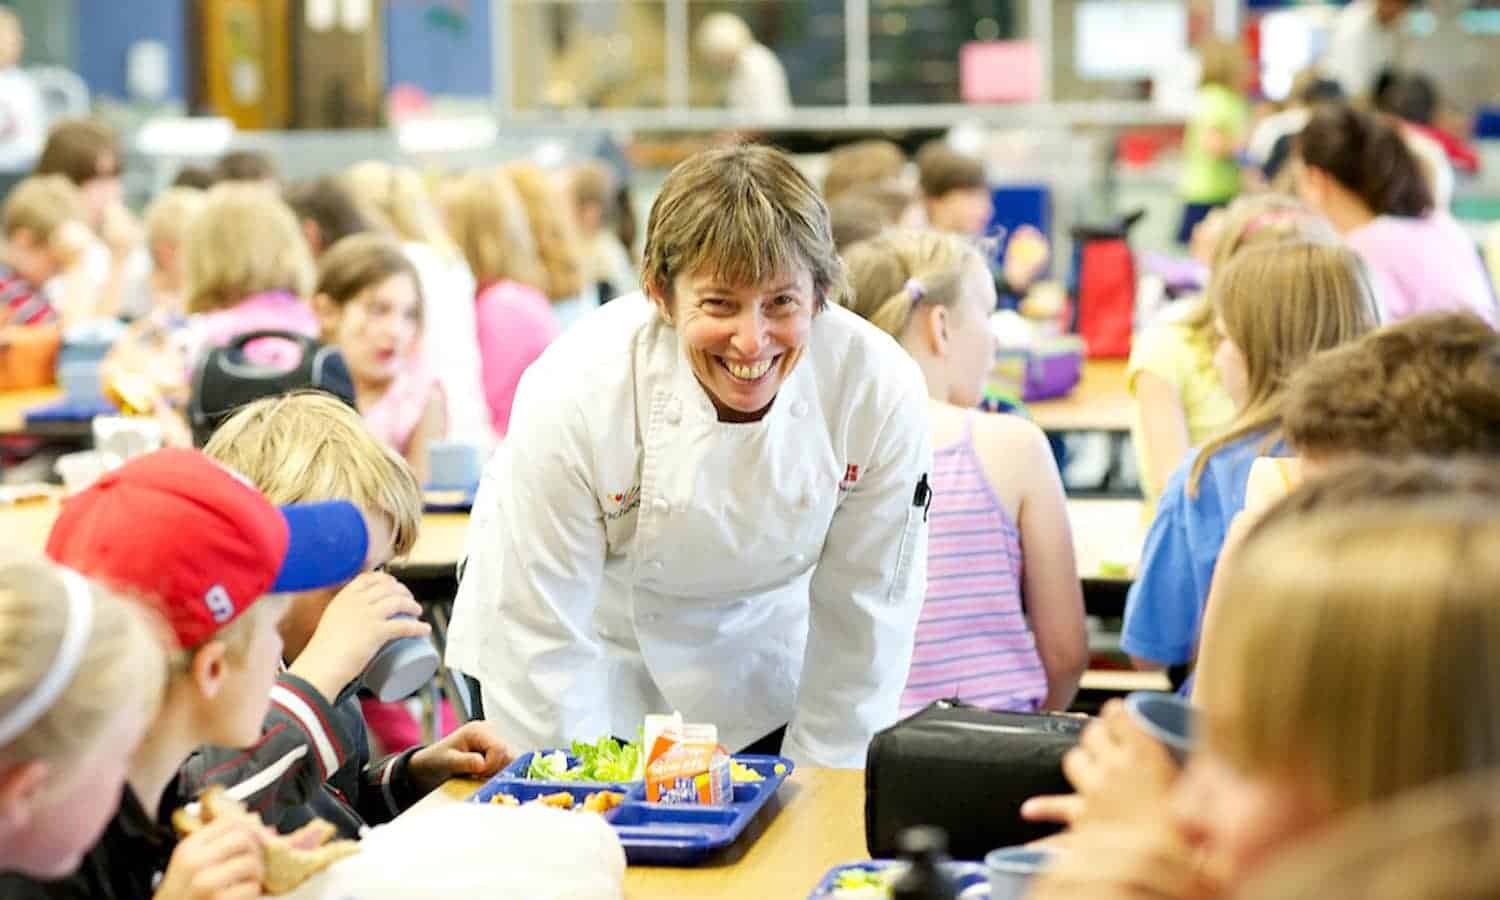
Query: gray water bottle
{"type": "Point", "coordinates": [401, 668]}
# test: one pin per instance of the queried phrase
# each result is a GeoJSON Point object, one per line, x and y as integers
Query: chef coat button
{"type": "Point", "coordinates": [674, 415]}
{"type": "Point", "coordinates": [799, 558]}
{"type": "Point", "coordinates": [799, 409]}
{"type": "Point", "coordinates": [655, 565]}
{"type": "Point", "coordinates": [661, 505]}
{"type": "Point", "coordinates": [807, 501]}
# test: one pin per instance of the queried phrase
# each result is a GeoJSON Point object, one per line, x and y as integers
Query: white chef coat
{"type": "Point", "coordinates": [628, 553]}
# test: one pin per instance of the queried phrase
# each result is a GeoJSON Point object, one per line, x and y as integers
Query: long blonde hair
{"type": "Point", "coordinates": [552, 228]}
{"type": "Point", "coordinates": [1280, 304]}
{"type": "Point", "coordinates": [243, 241]}
{"type": "Point", "coordinates": [487, 221]}
{"type": "Point", "coordinates": [1382, 623]}
{"type": "Point", "coordinates": [400, 196]}
{"type": "Point", "coordinates": [891, 274]}
{"type": "Point", "coordinates": [123, 663]}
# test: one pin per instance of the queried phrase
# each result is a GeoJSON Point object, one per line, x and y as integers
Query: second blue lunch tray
{"type": "Point", "coordinates": [659, 834]}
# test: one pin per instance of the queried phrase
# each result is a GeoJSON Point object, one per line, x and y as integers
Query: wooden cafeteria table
{"type": "Point", "coordinates": [818, 823]}
{"type": "Point", "coordinates": [1100, 402]}
{"type": "Point", "coordinates": [14, 404]}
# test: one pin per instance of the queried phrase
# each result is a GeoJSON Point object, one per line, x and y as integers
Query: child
{"type": "Point", "coordinates": [79, 682]}
{"type": "Point", "coordinates": [1275, 307]}
{"type": "Point", "coordinates": [328, 212]}
{"type": "Point", "coordinates": [1220, 122]}
{"type": "Point", "coordinates": [309, 446]}
{"type": "Point", "coordinates": [87, 153]}
{"type": "Point", "coordinates": [1179, 401]}
{"type": "Point", "coordinates": [247, 269]}
{"type": "Point", "coordinates": [954, 189]}
{"type": "Point", "coordinates": [1427, 387]}
{"type": "Point", "coordinates": [448, 333]}
{"type": "Point", "coordinates": [182, 534]}
{"type": "Point", "coordinates": [370, 305]}
{"type": "Point", "coordinates": [1359, 171]}
{"type": "Point", "coordinates": [863, 164]}
{"type": "Point", "coordinates": [606, 261]}
{"type": "Point", "coordinates": [957, 198]}
{"type": "Point", "coordinates": [44, 236]}
{"type": "Point", "coordinates": [557, 243]}
{"type": "Point", "coordinates": [166, 223]}
{"type": "Point", "coordinates": [1356, 663]}
{"type": "Point", "coordinates": [514, 319]}
{"type": "Point", "coordinates": [1437, 843]}
{"type": "Point", "coordinates": [995, 631]}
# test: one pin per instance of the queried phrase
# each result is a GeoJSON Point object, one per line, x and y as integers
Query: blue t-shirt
{"type": "Point", "coordinates": [1164, 610]}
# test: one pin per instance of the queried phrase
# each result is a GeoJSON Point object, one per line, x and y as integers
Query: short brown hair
{"type": "Point", "coordinates": [744, 214]}
{"type": "Point", "coordinates": [861, 164]}
{"type": "Point", "coordinates": [328, 203]}
{"type": "Point", "coordinates": [243, 241]}
{"type": "Point", "coordinates": [247, 165]}
{"type": "Point", "coordinates": [360, 262]}
{"type": "Point", "coordinates": [942, 170]}
{"type": "Point", "coordinates": [310, 446]}
{"type": "Point", "coordinates": [1367, 154]}
{"type": "Point", "coordinates": [41, 204]}
{"type": "Point", "coordinates": [74, 147]}
{"type": "Point", "coordinates": [1427, 385]}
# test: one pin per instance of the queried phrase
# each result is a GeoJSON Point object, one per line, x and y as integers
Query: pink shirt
{"type": "Point", "coordinates": [395, 416]}
{"type": "Point", "coordinates": [973, 641]}
{"type": "Point", "coordinates": [270, 311]}
{"type": "Point", "coordinates": [1424, 265]}
{"type": "Point", "coordinates": [515, 325]}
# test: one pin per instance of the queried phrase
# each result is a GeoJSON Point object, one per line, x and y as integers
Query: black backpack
{"type": "Point", "coordinates": [225, 379]}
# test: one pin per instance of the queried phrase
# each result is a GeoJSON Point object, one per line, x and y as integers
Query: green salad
{"type": "Point", "coordinates": [604, 760]}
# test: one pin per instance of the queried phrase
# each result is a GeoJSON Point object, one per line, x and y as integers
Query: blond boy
{"type": "Point", "coordinates": [313, 757]}
{"type": "Point", "coordinates": [45, 234]}
{"type": "Point", "coordinates": [176, 531]}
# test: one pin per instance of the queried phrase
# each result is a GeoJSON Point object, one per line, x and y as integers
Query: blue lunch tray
{"type": "Point", "coordinates": [973, 879]}
{"type": "Point", "coordinates": [71, 411]}
{"type": "Point", "coordinates": [658, 834]}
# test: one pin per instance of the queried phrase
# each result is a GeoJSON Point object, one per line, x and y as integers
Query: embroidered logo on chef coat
{"type": "Point", "coordinates": [851, 475]}
{"type": "Point", "coordinates": [617, 505]}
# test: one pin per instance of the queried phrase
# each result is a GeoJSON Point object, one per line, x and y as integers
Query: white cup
{"type": "Point", "coordinates": [1012, 870]}
{"type": "Point", "coordinates": [79, 470]}
{"type": "Point", "coordinates": [453, 465]}
{"type": "Point", "coordinates": [126, 437]}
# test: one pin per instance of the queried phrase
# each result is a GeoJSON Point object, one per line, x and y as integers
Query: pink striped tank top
{"type": "Point", "coordinates": [973, 642]}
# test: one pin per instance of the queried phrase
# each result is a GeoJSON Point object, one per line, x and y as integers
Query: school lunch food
{"type": "Point", "coordinates": [290, 859]}
{"type": "Point", "coordinates": [599, 802]}
{"type": "Point", "coordinates": [685, 763]}
{"type": "Point", "coordinates": [866, 884]}
{"type": "Point", "coordinates": [605, 760]}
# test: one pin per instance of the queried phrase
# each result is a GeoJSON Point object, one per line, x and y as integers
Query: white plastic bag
{"type": "Point", "coordinates": [478, 850]}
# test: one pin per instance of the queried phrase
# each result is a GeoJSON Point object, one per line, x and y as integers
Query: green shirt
{"type": "Point", "coordinates": [1205, 178]}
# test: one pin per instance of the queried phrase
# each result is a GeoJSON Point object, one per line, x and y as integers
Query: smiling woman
{"type": "Point", "coordinates": [699, 483]}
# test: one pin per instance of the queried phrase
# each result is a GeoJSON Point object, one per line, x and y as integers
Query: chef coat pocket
{"type": "Point", "coordinates": [908, 553]}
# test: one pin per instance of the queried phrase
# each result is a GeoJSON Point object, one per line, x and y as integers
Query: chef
{"type": "Point", "coordinates": [713, 497]}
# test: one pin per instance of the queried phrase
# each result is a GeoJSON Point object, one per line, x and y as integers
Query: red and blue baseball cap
{"type": "Point", "coordinates": [178, 529]}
